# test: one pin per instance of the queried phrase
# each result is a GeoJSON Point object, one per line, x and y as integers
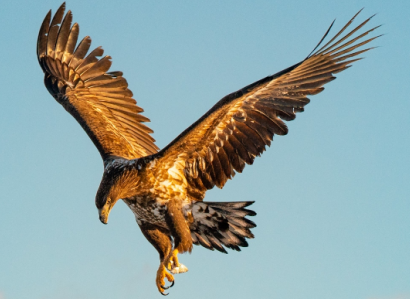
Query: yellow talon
{"type": "Point", "coordinates": [173, 260]}
{"type": "Point", "coordinates": [173, 264]}
{"type": "Point", "coordinates": [162, 273]}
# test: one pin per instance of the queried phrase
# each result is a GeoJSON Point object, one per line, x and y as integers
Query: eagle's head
{"type": "Point", "coordinates": [105, 199]}
{"type": "Point", "coordinates": [119, 175]}
{"type": "Point", "coordinates": [104, 211]}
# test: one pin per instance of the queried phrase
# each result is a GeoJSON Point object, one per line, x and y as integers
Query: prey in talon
{"type": "Point", "coordinates": [165, 189]}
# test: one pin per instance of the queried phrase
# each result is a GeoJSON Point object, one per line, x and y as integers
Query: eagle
{"type": "Point", "coordinates": [165, 189]}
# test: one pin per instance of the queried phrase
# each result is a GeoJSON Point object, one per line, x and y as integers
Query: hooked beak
{"type": "Point", "coordinates": [104, 212]}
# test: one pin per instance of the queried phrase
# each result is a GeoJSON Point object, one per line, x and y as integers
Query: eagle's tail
{"type": "Point", "coordinates": [221, 223]}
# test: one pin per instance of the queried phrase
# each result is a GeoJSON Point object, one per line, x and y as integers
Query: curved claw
{"type": "Point", "coordinates": [163, 274]}
{"type": "Point", "coordinates": [170, 286]}
{"type": "Point", "coordinates": [163, 294]}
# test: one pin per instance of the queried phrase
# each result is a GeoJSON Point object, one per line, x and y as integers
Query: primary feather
{"type": "Point", "coordinates": [99, 100]}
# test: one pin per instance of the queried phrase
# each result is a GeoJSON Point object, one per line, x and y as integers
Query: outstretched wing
{"type": "Point", "coordinates": [99, 100]}
{"type": "Point", "coordinates": [239, 126]}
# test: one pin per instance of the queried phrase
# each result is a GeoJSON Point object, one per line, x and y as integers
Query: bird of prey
{"type": "Point", "coordinates": [165, 189]}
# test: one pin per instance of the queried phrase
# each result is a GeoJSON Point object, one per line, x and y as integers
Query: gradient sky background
{"type": "Point", "coordinates": [332, 197]}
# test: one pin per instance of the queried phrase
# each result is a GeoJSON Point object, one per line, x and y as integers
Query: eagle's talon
{"type": "Point", "coordinates": [163, 294]}
{"type": "Point", "coordinates": [160, 280]}
{"type": "Point", "coordinates": [170, 286]}
{"type": "Point", "coordinates": [174, 266]}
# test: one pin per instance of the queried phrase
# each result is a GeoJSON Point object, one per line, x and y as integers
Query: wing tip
{"type": "Point", "coordinates": [42, 35]}
{"type": "Point", "coordinates": [62, 7]}
{"type": "Point", "coordinates": [320, 42]}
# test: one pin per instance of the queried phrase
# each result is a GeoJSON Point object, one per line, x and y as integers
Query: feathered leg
{"type": "Point", "coordinates": [178, 226]}
{"type": "Point", "coordinates": [181, 234]}
{"type": "Point", "coordinates": [163, 244]}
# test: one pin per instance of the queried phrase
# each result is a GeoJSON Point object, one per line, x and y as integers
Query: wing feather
{"type": "Point", "coordinates": [238, 128]}
{"type": "Point", "coordinates": [99, 100]}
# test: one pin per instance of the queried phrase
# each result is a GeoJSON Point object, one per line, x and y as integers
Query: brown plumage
{"type": "Point", "coordinates": [165, 189]}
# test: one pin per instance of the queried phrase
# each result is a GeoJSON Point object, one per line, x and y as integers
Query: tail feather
{"type": "Point", "coordinates": [219, 224]}
{"type": "Point", "coordinates": [240, 231]}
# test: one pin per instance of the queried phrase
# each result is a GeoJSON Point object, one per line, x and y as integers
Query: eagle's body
{"type": "Point", "coordinates": [148, 189]}
{"type": "Point", "coordinates": [151, 192]}
{"type": "Point", "coordinates": [165, 189]}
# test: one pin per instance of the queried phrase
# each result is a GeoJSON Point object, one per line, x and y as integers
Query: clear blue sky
{"type": "Point", "coordinates": [332, 197]}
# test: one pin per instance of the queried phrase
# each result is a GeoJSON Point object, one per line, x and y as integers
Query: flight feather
{"type": "Point", "coordinates": [98, 99]}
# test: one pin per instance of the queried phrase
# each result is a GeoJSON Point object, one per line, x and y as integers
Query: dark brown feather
{"type": "Point", "coordinates": [224, 160]}
{"type": "Point", "coordinates": [63, 34]}
{"type": "Point", "coordinates": [233, 156]}
{"type": "Point", "coordinates": [252, 136]}
{"type": "Point", "coordinates": [246, 142]}
{"type": "Point", "coordinates": [241, 150]}
{"type": "Point", "coordinates": [220, 177]}
{"type": "Point", "coordinates": [70, 44]}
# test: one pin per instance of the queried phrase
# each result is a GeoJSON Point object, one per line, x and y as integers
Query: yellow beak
{"type": "Point", "coordinates": [104, 212]}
